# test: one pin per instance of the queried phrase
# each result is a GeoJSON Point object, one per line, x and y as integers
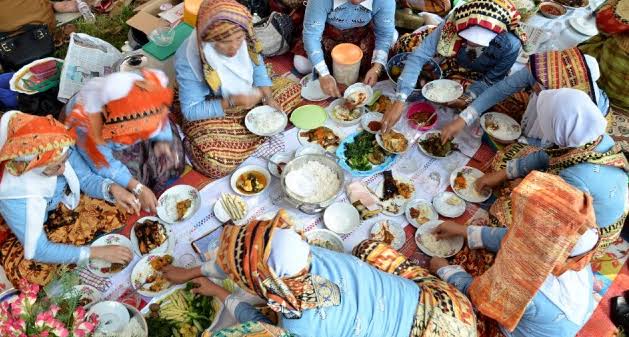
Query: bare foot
{"type": "Point", "coordinates": [69, 6]}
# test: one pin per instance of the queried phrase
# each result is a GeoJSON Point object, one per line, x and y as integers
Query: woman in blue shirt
{"type": "Point", "coordinates": [481, 36]}
{"type": "Point", "coordinates": [39, 165]}
{"type": "Point", "coordinates": [318, 292]}
{"type": "Point", "coordinates": [369, 24]}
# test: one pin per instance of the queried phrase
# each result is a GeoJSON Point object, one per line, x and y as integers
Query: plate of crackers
{"type": "Point", "coordinates": [230, 207]}
{"type": "Point", "coordinates": [178, 203]}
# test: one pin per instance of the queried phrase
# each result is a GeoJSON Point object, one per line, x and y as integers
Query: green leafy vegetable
{"type": "Point", "coordinates": [364, 152]}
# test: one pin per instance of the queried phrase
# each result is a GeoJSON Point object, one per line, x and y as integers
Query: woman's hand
{"type": "Point", "coordinates": [148, 201]}
{"type": "Point", "coordinates": [112, 254]}
{"type": "Point", "coordinates": [329, 86]}
{"type": "Point", "coordinates": [168, 158]}
{"type": "Point", "coordinates": [125, 199]}
{"type": "Point", "coordinates": [270, 101]}
{"type": "Point", "coordinates": [490, 180]}
{"type": "Point", "coordinates": [448, 229]}
{"type": "Point", "coordinates": [392, 115]}
{"type": "Point", "coordinates": [206, 287]}
{"type": "Point", "coordinates": [437, 263]}
{"type": "Point", "coordinates": [247, 101]}
{"type": "Point", "coordinates": [180, 275]}
{"type": "Point", "coordinates": [459, 104]}
{"type": "Point", "coordinates": [452, 129]}
{"type": "Point", "coordinates": [371, 78]}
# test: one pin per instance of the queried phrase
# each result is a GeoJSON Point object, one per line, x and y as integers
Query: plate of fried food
{"type": "Point", "coordinates": [328, 137]}
{"type": "Point", "coordinates": [147, 277]}
{"type": "Point", "coordinates": [344, 112]}
{"type": "Point", "coordinates": [463, 182]}
{"type": "Point", "coordinates": [230, 207]}
{"type": "Point", "coordinates": [394, 193]}
{"type": "Point", "coordinates": [419, 211]}
{"type": "Point", "coordinates": [381, 105]}
{"type": "Point", "coordinates": [358, 94]}
{"type": "Point", "coordinates": [448, 204]}
{"type": "Point", "coordinates": [389, 232]}
{"type": "Point", "coordinates": [150, 235]}
{"type": "Point", "coordinates": [430, 245]}
{"type": "Point", "coordinates": [178, 203]}
{"type": "Point", "coordinates": [104, 268]}
{"type": "Point", "coordinates": [500, 127]}
{"type": "Point", "coordinates": [393, 141]}
{"type": "Point", "coordinates": [431, 145]}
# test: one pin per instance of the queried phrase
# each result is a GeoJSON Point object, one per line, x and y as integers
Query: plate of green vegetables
{"type": "Point", "coordinates": [361, 156]}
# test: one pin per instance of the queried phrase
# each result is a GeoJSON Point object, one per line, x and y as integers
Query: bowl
{"type": "Point", "coordinates": [421, 108]}
{"type": "Point", "coordinates": [113, 316]}
{"type": "Point", "coordinates": [261, 172]}
{"type": "Point", "coordinates": [552, 10]}
{"type": "Point", "coordinates": [334, 240]}
{"type": "Point", "coordinates": [359, 87]}
{"type": "Point", "coordinates": [162, 36]}
{"type": "Point", "coordinates": [371, 117]}
{"type": "Point", "coordinates": [265, 112]}
{"type": "Point", "coordinates": [399, 61]}
{"type": "Point", "coordinates": [339, 101]}
{"type": "Point", "coordinates": [309, 149]}
{"type": "Point", "coordinates": [341, 217]}
{"type": "Point", "coordinates": [279, 158]}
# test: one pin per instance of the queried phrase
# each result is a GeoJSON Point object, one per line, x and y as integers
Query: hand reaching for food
{"type": "Point", "coordinates": [112, 254]}
{"type": "Point", "coordinates": [206, 287]}
{"type": "Point", "coordinates": [490, 180]}
{"type": "Point", "coordinates": [437, 263]}
{"type": "Point", "coordinates": [329, 86]}
{"type": "Point", "coordinates": [452, 129]}
{"type": "Point", "coordinates": [392, 115]}
{"type": "Point", "coordinates": [448, 229]}
{"type": "Point", "coordinates": [371, 78]}
{"type": "Point", "coordinates": [125, 199]}
{"type": "Point", "coordinates": [148, 201]}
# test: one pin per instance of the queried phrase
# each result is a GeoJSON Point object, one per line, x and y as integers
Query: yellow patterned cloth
{"type": "Point", "coordinates": [442, 311]}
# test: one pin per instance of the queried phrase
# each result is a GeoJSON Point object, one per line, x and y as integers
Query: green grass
{"type": "Point", "coordinates": [112, 29]}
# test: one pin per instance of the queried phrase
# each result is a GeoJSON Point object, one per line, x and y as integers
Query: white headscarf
{"type": "Point", "coordinates": [568, 117]}
{"type": "Point", "coordinates": [289, 253]}
{"type": "Point", "coordinates": [478, 35]}
{"type": "Point", "coordinates": [35, 187]}
{"type": "Point", "coordinates": [236, 73]}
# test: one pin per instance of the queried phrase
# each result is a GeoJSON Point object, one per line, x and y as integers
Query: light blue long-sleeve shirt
{"type": "Point", "coordinates": [541, 318]}
{"type": "Point", "coordinates": [494, 62]}
{"type": "Point", "coordinates": [198, 102]}
{"type": "Point", "coordinates": [13, 212]}
{"type": "Point", "coordinates": [344, 15]}
{"type": "Point", "coordinates": [607, 185]}
{"type": "Point", "coordinates": [516, 82]}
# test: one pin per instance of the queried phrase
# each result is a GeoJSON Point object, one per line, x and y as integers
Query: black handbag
{"type": "Point", "coordinates": [25, 45]}
{"type": "Point", "coordinates": [275, 34]}
{"type": "Point", "coordinates": [260, 7]}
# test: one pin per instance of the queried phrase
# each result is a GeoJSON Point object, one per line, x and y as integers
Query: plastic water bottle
{"type": "Point", "coordinates": [85, 10]}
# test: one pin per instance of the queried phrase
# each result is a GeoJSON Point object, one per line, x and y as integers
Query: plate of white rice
{"type": "Point", "coordinates": [266, 121]}
{"type": "Point", "coordinates": [427, 241]}
{"type": "Point", "coordinates": [442, 91]}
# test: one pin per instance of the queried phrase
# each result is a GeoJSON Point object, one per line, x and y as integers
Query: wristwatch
{"type": "Point", "coordinates": [138, 189]}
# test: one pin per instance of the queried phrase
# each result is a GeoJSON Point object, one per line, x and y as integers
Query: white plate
{"type": "Point", "coordinates": [441, 205]}
{"type": "Point", "coordinates": [469, 193]}
{"type": "Point", "coordinates": [370, 117]}
{"type": "Point", "coordinates": [309, 149]}
{"type": "Point", "coordinates": [311, 90]}
{"type": "Point", "coordinates": [399, 236]}
{"type": "Point", "coordinates": [585, 27]}
{"type": "Point", "coordinates": [381, 143]}
{"type": "Point", "coordinates": [165, 247]}
{"type": "Point", "coordinates": [421, 148]}
{"type": "Point", "coordinates": [113, 316]}
{"type": "Point", "coordinates": [508, 129]}
{"type": "Point", "coordinates": [359, 87]}
{"type": "Point", "coordinates": [167, 203]}
{"type": "Point", "coordinates": [279, 157]}
{"type": "Point", "coordinates": [223, 216]}
{"type": "Point", "coordinates": [341, 217]}
{"type": "Point", "coordinates": [85, 291]}
{"type": "Point", "coordinates": [431, 214]}
{"type": "Point", "coordinates": [249, 168]}
{"type": "Point", "coordinates": [452, 89]}
{"type": "Point", "coordinates": [339, 101]}
{"type": "Point", "coordinates": [304, 140]}
{"type": "Point", "coordinates": [454, 245]}
{"type": "Point", "coordinates": [141, 271]}
{"type": "Point", "coordinates": [265, 112]}
{"type": "Point", "coordinates": [95, 265]}
{"type": "Point", "coordinates": [398, 201]}
{"type": "Point", "coordinates": [327, 236]}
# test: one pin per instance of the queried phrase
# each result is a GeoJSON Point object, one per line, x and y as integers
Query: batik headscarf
{"type": "Point", "coordinates": [549, 218]}
{"type": "Point", "coordinates": [613, 17]}
{"type": "Point", "coordinates": [244, 255]}
{"type": "Point", "coordinates": [217, 20]}
{"type": "Point", "coordinates": [495, 15]}
{"type": "Point", "coordinates": [123, 108]}
{"type": "Point", "coordinates": [563, 69]}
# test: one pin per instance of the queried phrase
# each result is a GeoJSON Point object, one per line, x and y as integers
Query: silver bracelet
{"type": "Point", "coordinates": [230, 102]}
{"type": "Point", "coordinates": [138, 189]}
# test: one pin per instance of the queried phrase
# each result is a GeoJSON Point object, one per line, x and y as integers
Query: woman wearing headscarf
{"type": "Point", "coordinates": [318, 292]}
{"type": "Point", "coordinates": [42, 178]}
{"type": "Point", "coordinates": [124, 131]}
{"type": "Point", "coordinates": [369, 24]}
{"type": "Point", "coordinates": [541, 283]}
{"type": "Point", "coordinates": [221, 76]}
{"type": "Point", "coordinates": [480, 41]}
{"type": "Point", "coordinates": [568, 68]}
{"type": "Point", "coordinates": [582, 154]}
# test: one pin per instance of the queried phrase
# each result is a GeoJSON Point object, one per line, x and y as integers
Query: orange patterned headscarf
{"type": "Point", "coordinates": [243, 255]}
{"type": "Point", "coordinates": [549, 217]}
{"type": "Point", "coordinates": [128, 120]}
{"type": "Point", "coordinates": [42, 138]}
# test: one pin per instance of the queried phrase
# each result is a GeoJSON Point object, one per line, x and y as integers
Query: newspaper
{"type": "Point", "coordinates": [87, 57]}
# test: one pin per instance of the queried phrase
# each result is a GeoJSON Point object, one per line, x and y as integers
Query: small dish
{"type": "Point", "coordinates": [165, 247]}
{"type": "Point", "coordinates": [279, 158]}
{"type": "Point", "coordinates": [367, 122]}
{"type": "Point", "coordinates": [442, 91]}
{"type": "Point", "coordinates": [162, 36]}
{"type": "Point", "coordinates": [359, 93]}
{"type": "Point", "coordinates": [423, 208]}
{"type": "Point", "coordinates": [582, 26]}
{"type": "Point", "coordinates": [309, 149]}
{"type": "Point", "coordinates": [252, 175]}
{"type": "Point", "coordinates": [113, 316]}
{"type": "Point", "coordinates": [449, 204]}
{"type": "Point", "coordinates": [552, 10]}
{"type": "Point", "coordinates": [432, 134]}
{"type": "Point", "coordinates": [395, 229]}
{"type": "Point", "coordinates": [449, 246]}
{"type": "Point", "coordinates": [500, 127]}
{"type": "Point", "coordinates": [308, 117]}
{"type": "Point", "coordinates": [325, 239]}
{"type": "Point", "coordinates": [341, 218]}
{"type": "Point", "coordinates": [380, 142]}
{"type": "Point", "coordinates": [311, 90]}
{"type": "Point", "coordinates": [462, 181]}
{"type": "Point", "coordinates": [265, 121]}
{"type": "Point", "coordinates": [178, 203]}
{"type": "Point", "coordinates": [236, 209]}
{"type": "Point", "coordinates": [103, 268]}
{"type": "Point", "coordinates": [335, 117]}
